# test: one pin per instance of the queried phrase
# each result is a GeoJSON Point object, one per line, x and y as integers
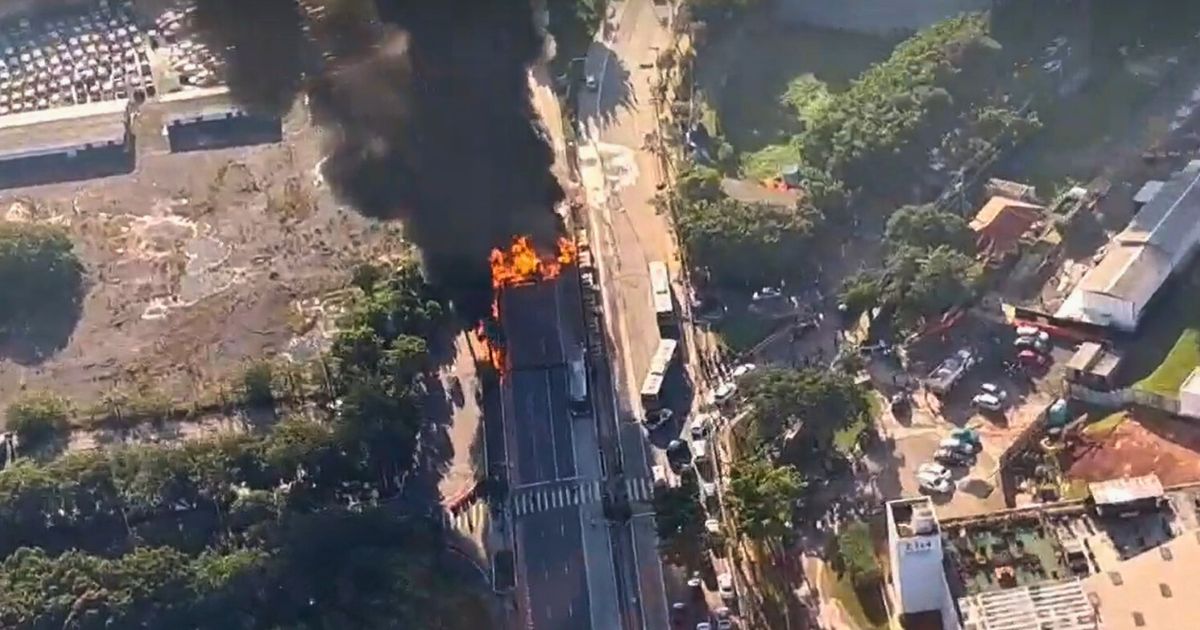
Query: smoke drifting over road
{"type": "Point", "coordinates": [433, 124]}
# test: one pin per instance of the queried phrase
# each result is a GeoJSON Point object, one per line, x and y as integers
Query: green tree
{"type": "Point", "coordinates": [927, 227]}
{"type": "Point", "coordinates": [38, 416]}
{"type": "Point", "coordinates": [258, 384]}
{"type": "Point", "coordinates": [814, 404]}
{"type": "Point", "coordinates": [746, 244]}
{"type": "Point", "coordinates": [41, 283]}
{"type": "Point", "coordinates": [856, 555]}
{"type": "Point", "coordinates": [762, 496]}
{"type": "Point", "coordinates": [860, 291]}
{"type": "Point", "coordinates": [807, 96]}
{"type": "Point", "coordinates": [679, 518]}
{"type": "Point", "coordinates": [697, 182]}
{"type": "Point", "coordinates": [924, 284]}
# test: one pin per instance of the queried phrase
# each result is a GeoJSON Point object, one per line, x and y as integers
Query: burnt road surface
{"type": "Point", "coordinates": [566, 578]}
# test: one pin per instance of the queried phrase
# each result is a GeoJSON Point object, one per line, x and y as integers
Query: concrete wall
{"type": "Point", "coordinates": [874, 16]}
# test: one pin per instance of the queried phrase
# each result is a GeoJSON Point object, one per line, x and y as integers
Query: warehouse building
{"type": "Point", "coordinates": [65, 144]}
{"type": "Point", "coordinates": [203, 119]}
{"type": "Point", "coordinates": [1161, 239]}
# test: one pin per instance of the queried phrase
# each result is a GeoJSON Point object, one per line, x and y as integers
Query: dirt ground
{"type": "Point", "coordinates": [1146, 442]}
{"type": "Point", "coordinates": [196, 262]}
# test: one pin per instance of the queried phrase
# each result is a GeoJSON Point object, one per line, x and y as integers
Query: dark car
{"type": "Point", "coordinates": [951, 457]}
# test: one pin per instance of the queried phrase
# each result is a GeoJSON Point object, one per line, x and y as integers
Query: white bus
{"type": "Point", "coordinates": [660, 288]}
{"type": "Point", "coordinates": [577, 384]}
{"type": "Point", "coordinates": [659, 364]}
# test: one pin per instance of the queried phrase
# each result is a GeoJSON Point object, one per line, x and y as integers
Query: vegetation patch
{"type": "Point", "coordinates": [1174, 370]}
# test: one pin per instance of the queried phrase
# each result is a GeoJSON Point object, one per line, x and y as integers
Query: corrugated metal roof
{"type": "Point", "coordinates": [1126, 489]}
{"type": "Point", "coordinates": [1057, 605]}
{"type": "Point", "coordinates": [1168, 220]}
{"type": "Point", "coordinates": [61, 129]}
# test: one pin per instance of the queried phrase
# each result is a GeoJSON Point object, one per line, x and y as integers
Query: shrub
{"type": "Point", "coordinates": [857, 555]}
{"type": "Point", "coordinates": [257, 384]}
{"type": "Point", "coordinates": [38, 416]}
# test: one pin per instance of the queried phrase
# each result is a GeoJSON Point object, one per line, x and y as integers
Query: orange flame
{"type": "Point", "coordinates": [519, 265]}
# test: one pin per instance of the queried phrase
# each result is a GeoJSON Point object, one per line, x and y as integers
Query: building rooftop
{"type": "Point", "coordinates": [1151, 591]}
{"type": "Point", "coordinates": [1126, 490]}
{"type": "Point", "coordinates": [913, 517]}
{"type": "Point", "coordinates": [1085, 357]}
{"type": "Point", "coordinates": [1052, 605]}
{"type": "Point", "coordinates": [1166, 221]}
{"type": "Point", "coordinates": [1002, 555]}
{"type": "Point", "coordinates": [62, 128]}
{"type": "Point", "coordinates": [1002, 221]}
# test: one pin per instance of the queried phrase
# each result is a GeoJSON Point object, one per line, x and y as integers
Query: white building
{"type": "Point", "coordinates": [1161, 238]}
{"type": "Point", "coordinates": [918, 575]}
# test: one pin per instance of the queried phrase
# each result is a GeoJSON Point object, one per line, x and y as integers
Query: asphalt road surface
{"type": "Point", "coordinates": [565, 574]}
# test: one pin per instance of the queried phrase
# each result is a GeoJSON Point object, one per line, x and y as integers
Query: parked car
{"type": "Point", "coordinates": [657, 418]}
{"type": "Point", "coordinates": [701, 428]}
{"type": "Point", "coordinates": [712, 526]}
{"type": "Point", "coordinates": [934, 469]}
{"type": "Point", "coordinates": [1029, 358]}
{"type": "Point", "coordinates": [900, 402]}
{"type": "Point", "coordinates": [743, 370]}
{"type": "Point", "coordinates": [962, 446]}
{"type": "Point", "coordinates": [988, 402]}
{"type": "Point", "coordinates": [994, 389]}
{"type": "Point", "coordinates": [1032, 343]}
{"type": "Point", "coordinates": [969, 436]}
{"type": "Point", "coordinates": [931, 483]}
{"type": "Point", "coordinates": [678, 453]}
{"type": "Point", "coordinates": [724, 392]}
{"type": "Point", "coordinates": [1030, 331]}
{"type": "Point", "coordinates": [725, 587]}
{"type": "Point", "coordinates": [951, 457]}
{"type": "Point", "coordinates": [704, 625]}
{"type": "Point", "coordinates": [591, 82]}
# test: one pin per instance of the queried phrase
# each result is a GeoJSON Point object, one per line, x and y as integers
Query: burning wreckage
{"type": "Point", "coordinates": [520, 264]}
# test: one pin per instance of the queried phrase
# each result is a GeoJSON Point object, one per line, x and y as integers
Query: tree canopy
{"type": "Point", "coordinates": [927, 227]}
{"type": "Point", "coordinates": [762, 496]}
{"type": "Point", "coordinates": [41, 283]}
{"type": "Point", "coordinates": [747, 244]}
{"type": "Point", "coordinates": [679, 519]}
{"type": "Point", "coordinates": [856, 555]}
{"type": "Point", "coordinates": [246, 530]}
{"type": "Point", "coordinates": [815, 403]}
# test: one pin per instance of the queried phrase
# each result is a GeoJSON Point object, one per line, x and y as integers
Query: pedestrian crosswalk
{"type": "Point", "coordinates": [558, 495]}
{"type": "Point", "coordinates": [468, 519]}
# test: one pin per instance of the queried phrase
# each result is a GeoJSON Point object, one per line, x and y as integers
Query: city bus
{"type": "Point", "coordinates": [577, 385]}
{"type": "Point", "coordinates": [660, 289]}
{"type": "Point", "coordinates": [660, 363]}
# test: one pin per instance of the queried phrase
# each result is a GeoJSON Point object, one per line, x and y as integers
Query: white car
{"type": "Point", "coordinates": [995, 390]}
{"type": "Point", "coordinates": [724, 392]}
{"type": "Point", "coordinates": [1030, 331]}
{"type": "Point", "coordinates": [934, 469]}
{"type": "Point", "coordinates": [988, 402]}
{"type": "Point", "coordinates": [743, 370]}
{"type": "Point", "coordinates": [935, 484]}
{"type": "Point", "coordinates": [591, 82]}
{"type": "Point", "coordinates": [725, 587]}
{"type": "Point", "coordinates": [704, 625]}
{"type": "Point", "coordinates": [713, 526]}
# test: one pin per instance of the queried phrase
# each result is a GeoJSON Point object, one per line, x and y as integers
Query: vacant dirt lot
{"type": "Point", "coordinates": [196, 262]}
{"type": "Point", "coordinates": [1143, 443]}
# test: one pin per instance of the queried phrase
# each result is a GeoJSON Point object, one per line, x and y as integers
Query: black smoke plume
{"type": "Point", "coordinates": [427, 109]}
{"type": "Point", "coordinates": [434, 126]}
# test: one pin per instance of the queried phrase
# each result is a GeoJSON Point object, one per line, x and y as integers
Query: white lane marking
{"type": "Point", "coordinates": [550, 418]}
